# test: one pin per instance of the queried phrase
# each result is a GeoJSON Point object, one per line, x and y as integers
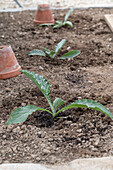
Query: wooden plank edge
{"type": "Point", "coordinates": [109, 20]}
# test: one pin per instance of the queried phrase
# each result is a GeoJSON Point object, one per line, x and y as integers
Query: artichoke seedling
{"type": "Point", "coordinates": [20, 114]}
{"type": "Point", "coordinates": [59, 24]}
{"type": "Point", "coordinates": [52, 54]}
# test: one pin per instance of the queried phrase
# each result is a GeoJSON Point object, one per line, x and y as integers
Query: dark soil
{"type": "Point", "coordinates": [82, 132]}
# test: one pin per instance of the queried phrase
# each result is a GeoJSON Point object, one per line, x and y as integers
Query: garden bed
{"type": "Point", "coordinates": [82, 132]}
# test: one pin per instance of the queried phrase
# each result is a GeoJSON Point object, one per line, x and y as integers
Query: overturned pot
{"type": "Point", "coordinates": [9, 66]}
{"type": "Point", "coordinates": [43, 14]}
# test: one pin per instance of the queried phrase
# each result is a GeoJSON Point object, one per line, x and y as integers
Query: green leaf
{"type": "Point", "coordinates": [46, 50]}
{"type": "Point", "coordinates": [46, 24]}
{"type": "Point", "coordinates": [50, 53]}
{"type": "Point", "coordinates": [41, 83]}
{"type": "Point", "coordinates": [20, 114]}
{"type": "Point", "coordinates": [57, 103]}
{"type": "Point", "coordinates": [37, 52]}
{"type": "Point", "coordinates": [58, 24]}
{"type": "Point", "coordinates": [68, 14]}
{"type": "Point", "coordinates": [70, 54]}
{"type": "Point", "coordinates": [68, 23]}
{"type": "Point", "coordinates": [60, 45]}
{"type": "Point", "coordinates": [87, 103]}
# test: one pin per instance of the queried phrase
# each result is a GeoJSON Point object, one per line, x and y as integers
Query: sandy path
{"type": "Point", "coordinates": [54, 3]}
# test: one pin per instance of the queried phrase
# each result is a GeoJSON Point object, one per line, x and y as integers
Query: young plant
{"type": "Point", "coordinates": [20, 114]}
{"type": "Point", "coordinates": [52, 54]}
{"type": "Point", "coordinates": [59, 24]}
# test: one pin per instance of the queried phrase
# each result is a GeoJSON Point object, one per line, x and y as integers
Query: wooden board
{"type": "Point", "coordinates": [109, 20]}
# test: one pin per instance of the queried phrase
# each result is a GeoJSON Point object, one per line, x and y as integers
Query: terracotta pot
{"type": "Point", "coordinates": [43, 14]}
{"type": "Point", "coordinates": [9, 66]}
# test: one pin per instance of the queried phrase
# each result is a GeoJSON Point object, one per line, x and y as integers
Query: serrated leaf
{"type": "Point", "coordinates": [68, 14]}
{"type": "Point", "coordinates": [70, 54]}
{"type": "Point", "coordinates": [69, 23]}
{"type": "Point", "coordinates": [57, 103]}
{"type": "Point", "coordinates": [20, 114]}
{"type": "Point", "coordinates": [37, 52]}
{"type": "Point", "coordinates": [87, 103]}
{"type": "Point", "coordinates": [40, 82]}
{"type": "Point", "coordinates": [60, 45]}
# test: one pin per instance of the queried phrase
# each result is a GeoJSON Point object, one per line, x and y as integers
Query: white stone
{"type": "Point", "coordinates": [23, 166]}
{"type": "Point", "coordinates": [105, 163]}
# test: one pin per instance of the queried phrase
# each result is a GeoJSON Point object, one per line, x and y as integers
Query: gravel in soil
{"type": "Point", "coordinates": [81, 133]}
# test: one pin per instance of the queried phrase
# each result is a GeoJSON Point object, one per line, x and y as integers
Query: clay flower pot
{"type": "Point", "coordinates": [9, 66]}
{"type": "Point", "coordinates": [43, 14]}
